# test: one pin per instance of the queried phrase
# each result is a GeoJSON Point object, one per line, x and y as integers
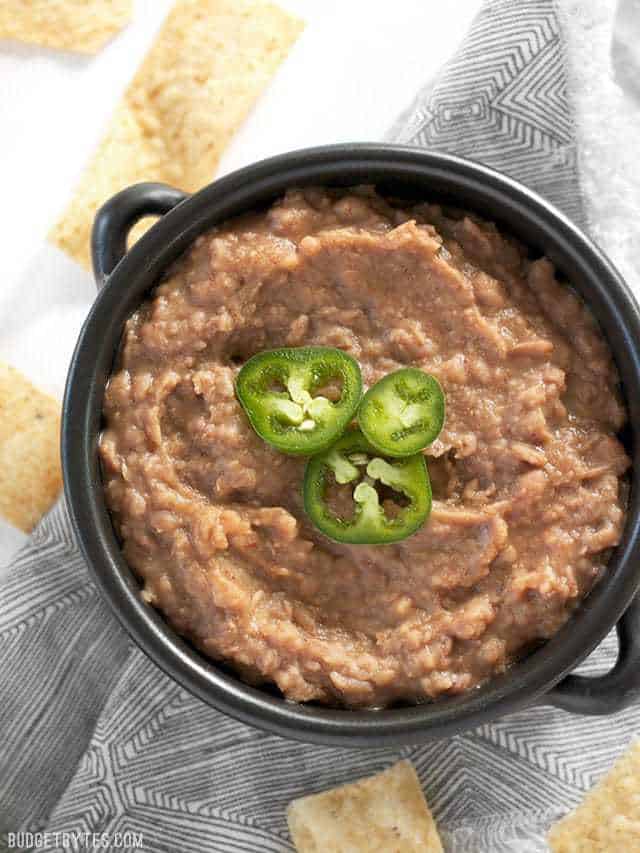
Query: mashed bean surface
{"type": "Point", "coordinates": [528, 496]}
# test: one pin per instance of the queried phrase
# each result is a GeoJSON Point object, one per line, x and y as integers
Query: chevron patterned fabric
{"type": "Point", "coordinates": [503, 100]}
{"type": "Point", "coordinates": [95, 738]}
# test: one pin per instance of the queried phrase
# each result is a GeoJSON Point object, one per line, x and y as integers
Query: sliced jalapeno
{"type": "Point", "coordinates": [386, 500]}
{"type": "Point", "coordinates": [300, 399]}
{"type": "Point", "coordinates": [403, 412]}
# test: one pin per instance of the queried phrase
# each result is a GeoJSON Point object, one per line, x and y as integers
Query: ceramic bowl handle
{"type": "Point", "coordinates": [117, 216]}
{"type": "Point", "coordinates": [606, 694]}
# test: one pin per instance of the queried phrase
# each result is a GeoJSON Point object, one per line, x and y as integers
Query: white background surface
{"type": "Point", "coordinates": [346, 79]}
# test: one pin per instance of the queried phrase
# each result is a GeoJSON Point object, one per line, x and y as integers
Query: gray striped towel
{"type": "Point", "coordinates": [94, 738]}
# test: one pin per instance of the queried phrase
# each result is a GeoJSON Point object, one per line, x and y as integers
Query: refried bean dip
{"type": "Point", "coordinates": [526, 474]}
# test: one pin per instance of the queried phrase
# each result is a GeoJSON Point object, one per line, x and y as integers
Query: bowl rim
{"type": "Point", "coordinates": [526, 681]}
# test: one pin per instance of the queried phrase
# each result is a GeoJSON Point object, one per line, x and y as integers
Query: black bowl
{"type": "Point", "coordinates": [126, 277]}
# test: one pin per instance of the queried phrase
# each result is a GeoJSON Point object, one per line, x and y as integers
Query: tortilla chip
{"type": "Point", "coordinates": [79, 25]}
{"type": "Point", "coordinates": [30, 477]}
{"type": "Point", "coordinates": [608, 819]}
{"type": "Point", "coordinates": [194, 89]}
{"type": "Point", "coordinates": [386, 813]}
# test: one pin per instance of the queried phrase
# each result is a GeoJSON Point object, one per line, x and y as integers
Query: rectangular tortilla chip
{"type": "Point", "coordinates": [608, 819]}
{"type": "Point", "coordinates": [83, 26]}
{"type": "Point", "coordinates": [193, 90]}
{"type": "Point", "coordinates": [386, 813]}
{"type": "Point", "coordinates": [30, 477]}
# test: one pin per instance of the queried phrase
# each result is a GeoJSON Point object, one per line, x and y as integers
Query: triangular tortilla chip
{"type": "Point", "coordinates": [386, 813]}
{"type": "Point", "coordinates": [194, 89]}
{"type": "Point", "coordinates": [83, 26]}
{"type": "Point", "coordinates": [30, 478]}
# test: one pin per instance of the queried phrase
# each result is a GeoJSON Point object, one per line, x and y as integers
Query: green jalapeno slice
{"type": "Point", "coordinates": [387, 500]}
{"type": "Point", "coordinates": [300, 399]}
{"type": "Point", "coordinates": [403, 412]}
